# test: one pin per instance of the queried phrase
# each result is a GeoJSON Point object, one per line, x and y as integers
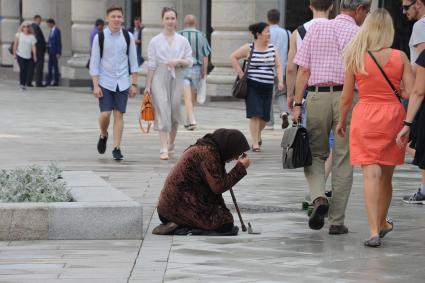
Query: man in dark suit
{"type": "Point", "coordinates": [41, 50]}
{"type": "Point", "coordinates": [54, 49]}
{"type": "Point", "coordinates": [136, 30]}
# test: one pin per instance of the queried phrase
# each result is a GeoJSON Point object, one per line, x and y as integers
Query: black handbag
{"type": "Point", "coordinates": [296, 148]}
{"type": "Point", "coordinates": [240, 86]}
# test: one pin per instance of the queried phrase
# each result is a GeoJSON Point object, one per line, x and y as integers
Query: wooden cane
{"type": "Point", "coordinates": [238, 211]}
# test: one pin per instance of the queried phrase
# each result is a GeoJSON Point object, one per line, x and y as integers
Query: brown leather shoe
{"type": "Point", "coordinates": [317, 217]}
{"type": "Point", "coordinates": [165, 229]}
{"type": "Point", "coordinates": [338, 229]}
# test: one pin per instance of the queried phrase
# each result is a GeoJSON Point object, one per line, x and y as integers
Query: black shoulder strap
{"type": "Point", "coordinates": [248, 62]}
{"type": "Point", "coordinates": [289, 38]}
{"type": "Point", "coordinates": [101, 38]}
{"type": "Point", "coordinates": [301, 31]}
{"type": "Point", "coordinates": [395, 91]}
{"type": "Point", "coordinates": [127, 39]}
{"type": "Point", "coordinates": [102, 41]}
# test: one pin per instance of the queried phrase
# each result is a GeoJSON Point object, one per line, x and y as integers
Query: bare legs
{"type": "Point", "coordinates": [189, 101]}
{"type": "Point", "coordinates": [377, 194]}
{"type": "Point", "coordinates": [328, 166]}
{"type": "Point", "coordinates": [167, 140]}
{"type": "Point", "coordinates": [118, 128]}
{"type": "Point", "coordinates": [104, 120]}
{"type": "Point", "coordinates": [256, 125]}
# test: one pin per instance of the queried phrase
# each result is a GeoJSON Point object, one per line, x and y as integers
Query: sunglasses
{"type": "Point", "coordinates": [407, 7]}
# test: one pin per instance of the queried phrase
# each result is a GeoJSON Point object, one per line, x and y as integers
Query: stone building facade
{"type": "Point", "coordinates": [224, 21]}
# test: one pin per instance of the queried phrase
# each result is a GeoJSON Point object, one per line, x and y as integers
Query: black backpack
{"type": "Point", "coordinates": [301, 31]}
{"type": "Point", "coordinates": [101, 36]}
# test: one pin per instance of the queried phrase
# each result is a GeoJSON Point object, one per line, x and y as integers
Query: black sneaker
{"type": "Point", "coordinates": [101, 144]}
{"type": "Point", "coordinates": [116, 153]}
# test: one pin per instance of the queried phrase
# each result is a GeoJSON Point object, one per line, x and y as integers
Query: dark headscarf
{"type": "Point", "coordinates": [229, 143]}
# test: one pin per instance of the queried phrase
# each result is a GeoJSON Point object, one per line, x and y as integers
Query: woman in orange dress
{"type": "Point", "coordinates": [378, 116]}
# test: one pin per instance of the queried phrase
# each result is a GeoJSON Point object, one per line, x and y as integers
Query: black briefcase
{"type": "Point", "coordinates": [296, 148]}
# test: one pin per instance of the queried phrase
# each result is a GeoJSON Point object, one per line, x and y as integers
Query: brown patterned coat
{"type": "Point", "coordinates": [192, 193]}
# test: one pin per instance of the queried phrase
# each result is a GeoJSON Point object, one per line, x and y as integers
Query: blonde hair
{"type": "Point", "coordinates": [26, 23]}
{"type": "Point", "coordinates": [376, 33]}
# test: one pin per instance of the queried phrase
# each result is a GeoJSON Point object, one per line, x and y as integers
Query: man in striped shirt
{"type": "Point", "coordinates": [200, 52]}
{"type": "Point", "coordinates": [322, 72]}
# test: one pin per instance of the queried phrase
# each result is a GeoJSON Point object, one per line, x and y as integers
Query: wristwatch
{"type": "Point", "coordinates": [297, 104]}
{"type": "Point", "coordinates": [406, 123]}
{"type": "Point", "coordinates": [135, 85]}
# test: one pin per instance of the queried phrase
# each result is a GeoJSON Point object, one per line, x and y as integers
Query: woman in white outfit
{"type": "Point", "coordinates": [168, 54]}
{"type": "Point", "coordinates": [24, 52]}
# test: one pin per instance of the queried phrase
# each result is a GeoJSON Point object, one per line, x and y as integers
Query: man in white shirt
{"type": "Point", "coordinates": [113, 57]}
{"type": "Point", "coordinates": [279, 37]}
{"type": "Point", "coordinates": [321, 10]}
{"type": "Point", "coordinates": [415, 11]}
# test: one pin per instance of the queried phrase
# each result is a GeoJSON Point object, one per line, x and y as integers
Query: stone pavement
{"type": "Point", "coordinates": [60, 124]}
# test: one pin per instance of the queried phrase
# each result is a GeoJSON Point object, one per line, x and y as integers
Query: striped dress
{"type": "Point", "coordinates": [261, 74]}
{"type": "Point", "coordinates": [262, 67]}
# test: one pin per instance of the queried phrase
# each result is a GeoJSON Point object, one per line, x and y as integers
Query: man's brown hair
{"type": "Point", "coordinates": [273, 16]}
{"type": "Point", "coordinates": [114, 8]}
{"type": "Point", "coordinates": [321, 5]}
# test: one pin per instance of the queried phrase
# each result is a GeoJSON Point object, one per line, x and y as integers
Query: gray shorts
{"type": "Point", "coordinates": [192, 76]}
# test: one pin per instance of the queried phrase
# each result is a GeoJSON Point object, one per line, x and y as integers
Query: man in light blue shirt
{"type": "Point", "coordinates": [279, 37]}
{"type": "Point", "coordinates": [113, 57]}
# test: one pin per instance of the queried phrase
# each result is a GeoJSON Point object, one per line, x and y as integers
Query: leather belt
{"type": "Point", "coordinates": [325, 88]}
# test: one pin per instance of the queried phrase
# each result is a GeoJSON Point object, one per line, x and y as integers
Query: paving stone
{"type": "Point", "coordinates": [286, 251]}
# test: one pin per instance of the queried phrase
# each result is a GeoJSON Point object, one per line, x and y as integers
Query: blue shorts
{"type": "Point", "coordinates": [192, 76]}
{"type": "Point", "coordinates": [113, 100]}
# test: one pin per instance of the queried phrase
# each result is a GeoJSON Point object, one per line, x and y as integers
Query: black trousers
{"type": "Point", "coordinates": [24, 66]}
{"type": "Point", "coordinates": [53, 70]}
{"type": "Point", "coordinates": [36, 70]}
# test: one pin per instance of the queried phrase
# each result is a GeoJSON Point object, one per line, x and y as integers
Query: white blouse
{"type": "Point", "coordinates": [160, 52]}
{"type": "Point", "coordinates": [25, 43]}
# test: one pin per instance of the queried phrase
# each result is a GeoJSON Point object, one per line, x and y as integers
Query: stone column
{"type": "Point", "coordinates": [59, 10]}
{"type": "Point", "coordinates": [230, 20]}
{"type": "Point", "coordinates": [9, 23]}
{"type": "Point", "coordinates": [83, 15]}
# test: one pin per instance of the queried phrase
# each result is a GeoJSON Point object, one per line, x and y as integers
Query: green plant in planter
{"type": "Point", "coordinates": [33, 184]}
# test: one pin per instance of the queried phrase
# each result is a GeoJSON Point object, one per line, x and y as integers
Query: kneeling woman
{"type": "Point", "coordinates": [191, 200]}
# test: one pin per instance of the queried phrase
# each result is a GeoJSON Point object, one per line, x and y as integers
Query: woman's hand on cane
{"type": "Point", "coordinates": [244, 159]}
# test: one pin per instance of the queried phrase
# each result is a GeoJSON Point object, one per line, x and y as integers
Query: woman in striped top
{"type": "Point", "coordinates": [265, 66]}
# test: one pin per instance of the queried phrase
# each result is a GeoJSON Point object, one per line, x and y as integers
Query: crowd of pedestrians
{"type": "Point", "coordinates": [339, 78]}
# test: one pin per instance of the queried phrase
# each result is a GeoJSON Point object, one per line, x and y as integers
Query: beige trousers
{"type": "Point", "coordinates": [322, 116]}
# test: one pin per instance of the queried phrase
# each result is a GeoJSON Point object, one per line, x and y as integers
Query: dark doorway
{"type": "Point", "coordinates": [403, 28]}
{"type": "Point", "coordinates": [297, 12]}
{"type": "Point", "coordinates": [136, 10]}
